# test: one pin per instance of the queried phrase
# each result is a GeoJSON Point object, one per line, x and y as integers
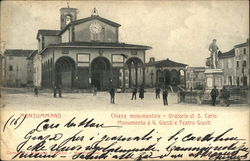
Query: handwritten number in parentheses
{"type": "Point", "coordinates": [14, 121]}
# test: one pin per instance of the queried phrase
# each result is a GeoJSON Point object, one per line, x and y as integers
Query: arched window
{"type": "Point", "coordinates": [68, 19]}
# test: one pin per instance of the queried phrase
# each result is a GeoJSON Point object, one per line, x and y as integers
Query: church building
{"type": "Point", "coordinates": [85, 52]}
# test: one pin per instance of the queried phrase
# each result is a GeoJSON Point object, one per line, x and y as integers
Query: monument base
{"type": "Point", "coordinates": [214, 77]}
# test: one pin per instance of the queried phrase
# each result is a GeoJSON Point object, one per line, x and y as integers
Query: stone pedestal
{"type": "Point", "coordinates": [214, 77]}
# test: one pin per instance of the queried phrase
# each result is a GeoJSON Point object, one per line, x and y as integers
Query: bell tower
{"type": "Point", "coordinates": [67, 15]}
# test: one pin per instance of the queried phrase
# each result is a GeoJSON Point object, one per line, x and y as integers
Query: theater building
{"type": "Point", "coordinates": [162, 73]}
{"type": "Point", "coordinates": [85, 52]}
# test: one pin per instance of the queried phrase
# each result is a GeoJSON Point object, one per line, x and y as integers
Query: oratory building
{"type": "Point", "coordinates": [85, 52]}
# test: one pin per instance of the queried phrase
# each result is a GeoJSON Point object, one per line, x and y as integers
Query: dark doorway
{"type": "Point", "coordinates": [244, 81]}
{"type": "Point", "coordinates": [64, 68]}
{"type": "Point", "coordinates": [100, 73]}
{"type": "Point", "coordinates": [159, 78]}
{"type": "Point", "coordinates": [230, 81]}
{"type": "Point", "coordinates": [167, 78]}
{"type": "Point", "coordinates": [133, 63]}
{"type": "Point", "coordinates": [175, 77]}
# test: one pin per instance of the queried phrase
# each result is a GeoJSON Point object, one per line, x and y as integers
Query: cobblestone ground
{"type": "Point", "coordinates": [24, 99]}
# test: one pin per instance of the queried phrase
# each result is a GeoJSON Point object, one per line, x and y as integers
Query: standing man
{"type": "Point", "coordinates": [60, 90]}
{"type": "Point", "coordinates": [224, 95]}
{"type": "Point", "coordinates": [141, 94]}
{"type": "Point", "coordinates": [55, 91]}
{"type": "Point", "coordinates": [157, 92]}
{"type": "Point", "coordinates": [36, 91]}
{"type": "Point", "coordinates": [134, 91]}
{"type": "Point", "coordinates": [112, 95]}
{"type": "Point", "coordinates": [214, 94]}
{"type": "Point", "coordinates": [165, 97]}
{"type": "Point", "coordinates": [213, 48]}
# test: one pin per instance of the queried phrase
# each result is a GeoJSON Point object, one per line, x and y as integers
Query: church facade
{"type": "Point", "coordinates": [85, 53]}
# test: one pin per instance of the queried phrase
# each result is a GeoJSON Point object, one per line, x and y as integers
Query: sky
{"type": "Point", "coordinates": [178, 30]}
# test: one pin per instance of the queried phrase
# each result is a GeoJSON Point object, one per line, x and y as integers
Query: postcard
{"type": "Point", "coordinates": [125, 80]}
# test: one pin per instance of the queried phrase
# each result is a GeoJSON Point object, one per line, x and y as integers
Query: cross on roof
{"type": "Point", "coordinates": [94, 12]}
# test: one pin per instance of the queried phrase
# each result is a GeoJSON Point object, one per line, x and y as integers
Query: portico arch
{"type": "Point", "coordinates": [175, 77]}
{"type": "Point", "coordinates": [64, 72]}
{"type": "Point", "coordinates": [101, 73]}
{"type": "Point", "coordinates": [133, 63]}
{"type": "Point", "coordinates": [167, 78]}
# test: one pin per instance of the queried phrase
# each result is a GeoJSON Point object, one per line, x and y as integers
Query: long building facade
{"type": "Point", "coordinates": [84, 53]}
{"type": "Point", "coordinates": [235, 65]}
{"type": "Point", "coordinates": [16, 68]}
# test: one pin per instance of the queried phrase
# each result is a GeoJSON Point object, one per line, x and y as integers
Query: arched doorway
{"type": "Point", "coordinates": [65, 68]}
{"type": "Point", "coordinates": [175, 77]}
{"type": "Point", "coordinates": [133, 64]}
{"type": "Point", "coordinates": [159, 78]}
{"type": "Point", "coordinates": [101, 73]}
{"type": "Point", "coordinates": [167, 75]}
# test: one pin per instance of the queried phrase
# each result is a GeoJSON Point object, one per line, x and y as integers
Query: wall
{"type": "Point", "coordinates": [229, 70]}
{"type": "Point", "coordinates": [148, 79]}
{"type": "Point", "coordinates": [51, 40]}
{"type": "Point", "coordinates": [18, 76]}
{"type": "Point", "coordinates": [30, 71]}
{"type": "Point", "coordinates": [65, 36]}
{"type": "Point", "coordinates": [37, 78]}
{"type": "Point", "coordinates": [94, 53]}
{"type": "Point", "coordinates": [47, 41]}
{"type": "Point", "coordinates": [82, 32]}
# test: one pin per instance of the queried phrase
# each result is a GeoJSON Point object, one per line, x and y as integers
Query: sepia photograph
{"type": "Point", "coordinates": [125, 80]}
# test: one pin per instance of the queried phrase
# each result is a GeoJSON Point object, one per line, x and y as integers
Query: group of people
{"type": "Point", "coordinates": [164, 95]}
{"type": "Point", "coordinates": [58, 90]}
{"type": "Point", "coordinates": [224, 96]}
{"type": "Point", "coordinates": [141, 94]}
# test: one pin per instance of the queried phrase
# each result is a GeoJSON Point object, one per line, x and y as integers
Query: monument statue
{"type": "Point", "coordinates": [213, 48]}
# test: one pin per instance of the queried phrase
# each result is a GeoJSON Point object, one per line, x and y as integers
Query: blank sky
{"type": "Point", "coordinates": [179, 30]}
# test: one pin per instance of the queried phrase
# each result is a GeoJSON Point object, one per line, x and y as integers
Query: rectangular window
{"type": "Point", "coordinates": [244, 63]}
{"type": "Point", "coordinates": [244, 51]}
{"type": "Point", "coordinates": [237, 64]}
{"type": "Point", "coordinates": [10, 68]}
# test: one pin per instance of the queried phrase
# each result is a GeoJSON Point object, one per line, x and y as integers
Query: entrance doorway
{"type": "Point", "coordinates": [244, 81]}
{"type": "Point", "coordinates": [167, 78]}
{"type": "Point", "coordinates": [64, 68]}
{"type": "Point", "coordinates": [101, 73]}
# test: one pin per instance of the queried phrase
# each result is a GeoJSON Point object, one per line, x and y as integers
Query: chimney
{"type": "Point", "coordinates": [151, 59]}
